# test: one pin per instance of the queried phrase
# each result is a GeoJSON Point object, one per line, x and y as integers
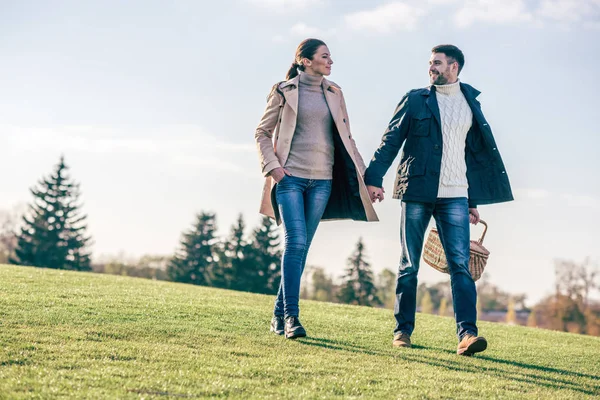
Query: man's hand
{"type": "Point", "coordinates": [278, 174]}
{"type": "Point", "coordinates": [375, 193]}
{"type": "Point", "coordinates": [473, 216]}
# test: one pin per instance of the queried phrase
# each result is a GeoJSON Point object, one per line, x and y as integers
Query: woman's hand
{"type": "Point", "coordinates": [278, 174]}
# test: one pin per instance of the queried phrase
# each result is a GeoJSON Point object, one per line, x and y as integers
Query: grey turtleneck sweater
{"type": "Point", "coordinates": [312, 149]}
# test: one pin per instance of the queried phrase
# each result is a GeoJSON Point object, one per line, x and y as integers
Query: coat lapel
{"type": "Point", "coordinates": [333, 101]}
{"type": "Point", "coordinates": [291, 94]}
{"type": "Point", "coordinates": [433, 106]}
{"type": "Point", "coordinates": [291, 98]}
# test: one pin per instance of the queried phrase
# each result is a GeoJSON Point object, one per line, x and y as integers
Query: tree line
{"type": "Point", "coordinates": [52, 233]}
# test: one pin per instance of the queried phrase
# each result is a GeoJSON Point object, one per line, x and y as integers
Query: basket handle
{"type": "Point", "coordinates": [480, 241]}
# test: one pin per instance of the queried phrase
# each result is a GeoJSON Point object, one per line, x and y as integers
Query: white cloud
{"type": "Point", "coordinates": [570, 12]}
{"type": "Point", "coordinates": [387, 18]}
{"type": "Point", "coordinates": [494, 11]}
{"type": "Point", "coordinates": [305, 31]}
{"type": "Point", "coordinates": [282, 6]}
{"type": "Point", "coordinates": [408, 14]}
{"type": "Point", "coordinates": [301, 29]}
{"type": "Point", "coordinates": [178, 144]}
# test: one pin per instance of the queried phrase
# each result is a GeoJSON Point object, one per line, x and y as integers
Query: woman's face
{"type": "Point", "coordinates": [320, 63]}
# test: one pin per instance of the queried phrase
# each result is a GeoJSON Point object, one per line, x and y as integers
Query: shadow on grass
{"type": "Point", "coordinates": [529, 374]}
{"type": "Point", "coordinates": [522, 365]}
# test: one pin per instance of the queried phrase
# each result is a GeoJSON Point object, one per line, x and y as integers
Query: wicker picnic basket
{"type": "Point", "coordinates": [434, 255]}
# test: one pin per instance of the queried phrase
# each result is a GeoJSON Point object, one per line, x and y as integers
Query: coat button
{"type": "Point", "coordinates": [437, 146]}
{"type": "Point", "coordinates": [344, 120]}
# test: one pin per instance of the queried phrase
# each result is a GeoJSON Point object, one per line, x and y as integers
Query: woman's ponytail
{"type": "Point", "coordinates": [292, 72]}
{"type": "Point", "coordinates": [306, 49]}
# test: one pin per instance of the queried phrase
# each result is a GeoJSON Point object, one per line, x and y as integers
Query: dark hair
{"type": "Point", "coordinates": [451, 52]}
{"type": "Point", "coordinates": [306, 49]}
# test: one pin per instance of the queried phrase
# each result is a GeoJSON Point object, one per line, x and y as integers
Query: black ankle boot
{"type": "Point", "coordinates": [293, 328]}
{"type": "Point", "coordinates": [277, 324]}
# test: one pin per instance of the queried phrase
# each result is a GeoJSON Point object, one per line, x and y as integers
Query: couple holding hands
{"type": "Point", "coordinates": [449, 165]}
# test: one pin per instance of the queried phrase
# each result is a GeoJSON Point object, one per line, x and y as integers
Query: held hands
{"type": "Point", "coordinates": [278, 174]}
{"type": "Point", "coordinates": [474, 216]}
{"type": "Point", "coordinates": [375, 193]}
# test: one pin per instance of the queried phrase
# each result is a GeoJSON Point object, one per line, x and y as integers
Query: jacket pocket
{"type": "Point", "coordinates": [421, 124]}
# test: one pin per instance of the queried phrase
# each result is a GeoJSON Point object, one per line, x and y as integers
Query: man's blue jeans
{"type": "Point", "coordinates": [301, 205]}
{"type": "Point", "coordinates": [452, 220]}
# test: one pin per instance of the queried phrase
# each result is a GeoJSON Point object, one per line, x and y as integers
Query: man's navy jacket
{"type": "Point", "coordinates": [417, 125]}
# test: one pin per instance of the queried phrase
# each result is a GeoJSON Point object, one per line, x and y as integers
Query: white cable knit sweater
{"type": "Point", "coordinates": [456, 118]}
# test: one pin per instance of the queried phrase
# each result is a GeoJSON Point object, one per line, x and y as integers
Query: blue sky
{"type": "Point", "coordinates": [154, 105]}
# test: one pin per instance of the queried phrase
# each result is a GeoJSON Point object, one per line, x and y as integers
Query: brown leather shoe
{"type": "Point", "coordinates": [402, 340]}
{"type": "Point", "coordinates": [471, 344]}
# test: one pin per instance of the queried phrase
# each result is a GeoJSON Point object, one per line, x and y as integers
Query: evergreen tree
{"type": "Point", "coordinates": [264, 259]}
{"type": "Point", "coordinates": [235, 264]}
{"type": "Point", "coordinates": [358, 287]}
{"type": "Point", "coordinates": [53, 232]}
{"type": "Point", "coordinates": [195, 262]}
{"type": "Point", "coordinates": [386, 287]}
{"type": "Point", "coordinates": [323, 288]}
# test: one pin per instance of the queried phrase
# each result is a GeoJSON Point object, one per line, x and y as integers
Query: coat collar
{"type": "Point", "coordinates": [331, 90]}
{"type": "Point", "coordinates": [468, 90]}
{"type": "Point", "coordinates": [293, 84]}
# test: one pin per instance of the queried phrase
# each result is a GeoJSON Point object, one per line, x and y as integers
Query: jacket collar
{"type": "Point", "coordinates": [331, 90]}
{"type": "Point", "coordinates": [468, 90]}
{"type": "Point", "coordinates": [293, 84]}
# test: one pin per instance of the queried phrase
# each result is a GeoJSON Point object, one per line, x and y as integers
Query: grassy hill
{"type": "Point", "coordinates": [65, 334]}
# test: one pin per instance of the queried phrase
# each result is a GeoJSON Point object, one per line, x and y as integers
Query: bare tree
{"type": "Point", "coordinates": [9, 226]}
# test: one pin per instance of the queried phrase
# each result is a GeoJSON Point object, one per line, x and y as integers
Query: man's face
{"type": "Point", "coordinates": [442, 70]}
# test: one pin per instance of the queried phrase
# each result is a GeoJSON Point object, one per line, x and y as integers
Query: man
{"type": "Point", "coordinates": [449, 165]}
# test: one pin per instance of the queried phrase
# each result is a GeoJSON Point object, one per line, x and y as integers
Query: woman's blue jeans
{"type": "Point", "coordinates": [301, 205]}
{"type": "Point", "coordinates": [452, 220]}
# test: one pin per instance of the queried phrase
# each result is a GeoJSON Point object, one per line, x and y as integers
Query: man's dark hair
{"type": "Point", "coordinates": [452, 52]}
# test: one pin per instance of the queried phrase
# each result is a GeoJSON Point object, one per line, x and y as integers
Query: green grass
{"type": "Point", "coordinates": [78, 335]}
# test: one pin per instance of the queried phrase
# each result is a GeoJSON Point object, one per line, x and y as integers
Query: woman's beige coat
{"type": "Point", "coordinates": [349, 197]}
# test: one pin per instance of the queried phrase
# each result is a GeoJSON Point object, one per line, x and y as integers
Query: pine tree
{"type": "Point", "coordinates": [53, 232]}
{"type": "Point", "coordinates": [264, 259]}
{"type": "Point", "coordinates": [358, 287]}
{"type": "Point", "coordinates": [427, 303]}
{"type": "Point", "coordinates": [235, 265]}
{"type": "Point", "coordinates": [386, 285]}
{"type": "Point", "coordinates": [194, 262]}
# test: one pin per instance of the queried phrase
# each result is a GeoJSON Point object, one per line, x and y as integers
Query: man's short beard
{"type": "Point", "coordinates": [440, 80]}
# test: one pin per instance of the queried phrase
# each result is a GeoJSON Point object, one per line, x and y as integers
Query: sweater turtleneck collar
{"type": "Point", "coordinates": [450, 89]}
{"type": "Point", "coordinates": [311, 80]}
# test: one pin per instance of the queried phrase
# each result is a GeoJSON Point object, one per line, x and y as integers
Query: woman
{"type": "Point", "coordinates": [312, 167]}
